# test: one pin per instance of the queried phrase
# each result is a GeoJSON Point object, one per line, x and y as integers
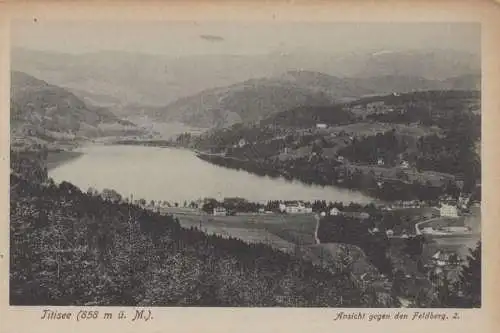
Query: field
{"type": "Point", "coordinates": [293, 229]}
{"type": "Point", "coordinates": [289, 233]}
{"type": "Point", "coordinates": [372, 128]}
{"type": "Point", "coordinates": [436, 178]}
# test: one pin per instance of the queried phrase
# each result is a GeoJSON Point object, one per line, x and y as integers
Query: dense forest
{"type": "Point", "coordinates": [69, 247]}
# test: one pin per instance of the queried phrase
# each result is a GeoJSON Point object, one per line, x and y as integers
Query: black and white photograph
{"type": "Point", "coordinates": [179, 163]}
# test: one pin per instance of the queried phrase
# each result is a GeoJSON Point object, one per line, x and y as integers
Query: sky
{"type": "Point", "coordinates": [195, 38]}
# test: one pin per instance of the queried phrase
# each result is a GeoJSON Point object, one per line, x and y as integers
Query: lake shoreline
{"type": "Point", "coordinates": [56, 159]}
{"type": "Point", "coordinates": [214, 181]}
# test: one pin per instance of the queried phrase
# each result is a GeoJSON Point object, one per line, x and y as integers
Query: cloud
{"type": "Point", "coordinates": [212, 38]}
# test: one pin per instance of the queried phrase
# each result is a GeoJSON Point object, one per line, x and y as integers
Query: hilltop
{"type": "Point", "coordinates": [257, 99]}
{"type": "Point", "coordinates": [238, 88]}
{"type": "Point", "coordinates": [43, 112]}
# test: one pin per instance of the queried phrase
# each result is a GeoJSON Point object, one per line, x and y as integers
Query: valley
{"type": "Point", "coordinates": [290, 186]}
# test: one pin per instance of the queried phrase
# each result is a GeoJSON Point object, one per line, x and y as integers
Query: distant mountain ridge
{"type": "Point", "coordinates": [248, 101]}
{"type": "Point", "coordinates": [257, 99]}
{"type": "Point", "coordinates": [158, 80]}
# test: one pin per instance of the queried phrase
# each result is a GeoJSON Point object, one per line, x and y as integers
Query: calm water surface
{"type": "Point", "coordinates": [177, 175]}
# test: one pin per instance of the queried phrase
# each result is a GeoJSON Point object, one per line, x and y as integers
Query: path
{"type": "Point", "coordinates": [317, 228]}
{"type": "Point", "coordinates": [417, 225]}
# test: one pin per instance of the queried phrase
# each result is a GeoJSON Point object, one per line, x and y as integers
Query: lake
{"type": "Point", "coordinates": [177, 175]}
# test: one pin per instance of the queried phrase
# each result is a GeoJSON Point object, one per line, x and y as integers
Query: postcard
{"type": "Point", "coordinates": [244, 167]}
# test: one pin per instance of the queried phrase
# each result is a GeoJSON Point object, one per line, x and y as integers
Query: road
{"type": "Point", "coordinates": [317, 228]}
{"type": "Point", "coordinates": [417, 225]}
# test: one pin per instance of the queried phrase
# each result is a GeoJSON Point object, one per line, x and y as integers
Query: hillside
{"type": "Point", "coordinates": [257, 99]}
{"type": "Point", "coordinates": [249, 101]}
{"type": "Point", "coordinates": [48, 112]}
{"type": "Point", "coordinates": [411, 146]}
{"type": "Point", "coordinates": [96, 252]}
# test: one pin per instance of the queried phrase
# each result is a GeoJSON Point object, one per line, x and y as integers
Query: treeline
{"type": "Point", "coordinates": [326, 172]}
{"type": "Point", "coordinates": [309, 116]}
{"type": "Point", "coordinates": [427, 108]}
{"type": "Point", "coordinates": [72, 248]}
{"type": "Point", "coordinates": [241, 205]}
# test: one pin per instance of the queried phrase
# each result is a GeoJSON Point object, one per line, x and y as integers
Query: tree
{"type": "Point", "coordinates": [414, 245]}
{"type": "Point", "coordinates": [470, 278]}
{"type": "Point", "coordinates": [209, 205]}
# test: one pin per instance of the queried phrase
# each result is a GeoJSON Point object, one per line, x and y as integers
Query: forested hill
{"type": "Point", "coordinates": [416, 145]}
{"type": "Point", "coordinates": [47, 112]}
{"type": "Point", "coordinates": [73, 248]}
{"type": "Point", "coordinates": [256, 99]}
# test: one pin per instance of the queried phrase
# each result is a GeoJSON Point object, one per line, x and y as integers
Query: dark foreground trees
{"type": "Point", "coordinates": [72, 248]}
{"type": "Point", "coordinates": [470, 278]}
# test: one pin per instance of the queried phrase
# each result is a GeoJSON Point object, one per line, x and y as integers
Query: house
{"type": "Point", "coordinates": [389, 233]}
{"type": "Point", "coordinates": [111, 195]}
{"type": "Point", "coordinates": [220, 211]}
{"type": "Point", "coordinates": [445, 258]}
{"type": "Point", "coordinates": [321, 126]}
{"type": "Point", "coordinates": [380, 161]}
{"type": "Point", "coordinates": [364, 215]}
{"type": "Point", "coordinates": [463, 201]}
{"type": "Point", "coordinates": [334, 211]}
{"type": "Point", "coordinates": [405, 164]}
{"type": "Point", "coordinates": [242, 143]}
{"type": "Point", "coordinates": [295, 207]}
{"type": "Point", "coordinates": [340, 158]}
{"type": "Point", "coordinates": [427, 230]}
{"type": "Point", "coordinates": [448, 209]}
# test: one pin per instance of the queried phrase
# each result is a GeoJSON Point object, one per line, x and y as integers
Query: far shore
{"type": "Point", "coordinates": [58, 158]}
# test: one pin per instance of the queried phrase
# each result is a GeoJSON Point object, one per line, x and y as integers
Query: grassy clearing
{"type": "Point", "coordinates": [436, 178]}
{"type": "Point", "coordinates": [281, 231]}
{"type": "Point", "coordinates": [372, 128]}
{"type": "Point", "coordinates": [289, 233]}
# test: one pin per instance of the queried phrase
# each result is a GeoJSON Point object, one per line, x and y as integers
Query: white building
{"type": "Point", "coordinates": [380, 161]}
{"type": "Point", "coordinates": [428, 230]}
{"type": "Point", "coordinates": [295, 207]}
{"type": "Point", "coordinates": [405, 164]}
{"type": "Point", "coordinates": [242, 143]}
{"type": "Point", "coordinates": [448, 210]}
{"type": "Point", "coordinates": [321, 126]}
{"type": "Point", "coordinates": [220, 211]}
{"type": "Point", "coordinates": [334, 211]}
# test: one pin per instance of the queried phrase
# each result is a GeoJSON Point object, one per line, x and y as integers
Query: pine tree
{"type": "Point", "coordinates": [470, 278]}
